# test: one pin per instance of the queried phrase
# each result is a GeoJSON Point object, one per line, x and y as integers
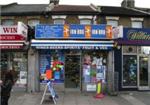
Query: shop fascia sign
{"type": "Point", "coordinates": [138, 34]}
{"type": "Point", "coordinates": [73, 31]}
{"type": "Point", "coordinates": [15, 32]}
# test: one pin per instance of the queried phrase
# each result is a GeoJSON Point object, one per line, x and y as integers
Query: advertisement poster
{"type": "Point", "coordinates": [100, 73]}
{"type": "Point", "coordinates": [86, 73]}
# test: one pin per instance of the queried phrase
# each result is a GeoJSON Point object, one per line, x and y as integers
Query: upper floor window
{"type": "Point", "coordinates": [33, 22]}
{"type": "Point", "coordinates": [8, 22]}
{"type": "Point", "coordinates": [85, 21]}
{"type": "Point", "coordinates": [59, 19]}
{"type": "Point", "coordinates": [113, 21]}
{"type": "Point", "coordinates": [136, 22]}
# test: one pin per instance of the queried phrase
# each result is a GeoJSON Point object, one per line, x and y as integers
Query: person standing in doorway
{"type": "Point", "coordinates": [6, 87]}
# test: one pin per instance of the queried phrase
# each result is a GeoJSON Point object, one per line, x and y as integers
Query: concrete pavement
{"type": "Point", "coordinates": [77, 98]}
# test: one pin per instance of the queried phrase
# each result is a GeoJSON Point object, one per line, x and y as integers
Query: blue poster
{"type": "Point", "coordinates": [57, 75]}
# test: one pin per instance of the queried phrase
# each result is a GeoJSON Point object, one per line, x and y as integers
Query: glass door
{"type": "Point", "coordinates": [72, 71]}
{"type": "Point", "coordinates": [144, 73]}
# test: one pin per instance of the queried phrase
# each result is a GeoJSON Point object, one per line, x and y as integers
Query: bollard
{"type": "Point", "coordinates": [99, 93]}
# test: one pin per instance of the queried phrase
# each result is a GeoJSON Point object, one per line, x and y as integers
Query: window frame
{"type": "Point", "coordinates": [137, 20]}
{"type": "Point", "coordinates": [31, 20]}
{"type": "Point", "coordinates": [5, 20]}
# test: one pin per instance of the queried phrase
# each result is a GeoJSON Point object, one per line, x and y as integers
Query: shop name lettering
{"type": "Point", "coordinates": [72, 47]}
{"type": "Point", "coordinates": [81, 31]}
{"type": "Point", "coordinates": [138, 36]}
{"type": "Point", "coordinates": [10, 30]}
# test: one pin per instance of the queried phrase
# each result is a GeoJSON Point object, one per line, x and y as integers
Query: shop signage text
{"type": "Point", "coordinates": [73, 31]}
{"type": "Point", "coordinates": [138, 35]}
{"type": "Point", "coordinates": [74, 47]}
{"type": "Point", "coordinates": [17, 32]}
{"type": "Point", "coordinates": [135, 36]}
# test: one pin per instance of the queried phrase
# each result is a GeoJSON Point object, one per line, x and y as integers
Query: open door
{"type": "Point", "coordinates": [72, 72]}
{"type": "Point", "coordinates": [144, 71]}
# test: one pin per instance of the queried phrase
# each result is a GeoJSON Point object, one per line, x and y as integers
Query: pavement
{"type": "Point", "coordinates": [78, 98]}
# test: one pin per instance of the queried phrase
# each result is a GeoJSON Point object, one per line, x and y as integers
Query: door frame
{"type": "Point", "coordinates": [80, 73]}
{"type": "Point", "coordinates": [138, 75]}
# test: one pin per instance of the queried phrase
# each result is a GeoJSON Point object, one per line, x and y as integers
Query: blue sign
{"type": "Point", "coordinates": [98, 31]}
{"type": "Point", "coordinates": [134, 36]}
{"type": "Point", "coordinates": [77, 31]}
{"type": "Point", "coordinates": [49, 31]}
{"type": "Point", "coordinates": [72, 31]}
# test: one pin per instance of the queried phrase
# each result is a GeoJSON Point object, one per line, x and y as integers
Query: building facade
{"type": "Point", "coordinates": [45, 52]}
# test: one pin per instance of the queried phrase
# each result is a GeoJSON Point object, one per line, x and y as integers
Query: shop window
{"type": "Point", "coordinates": [4, 61]}
{"type": "Point", "coordinates": [52, 61]}
{"type": "Point", "coordinates": [94, 66]}
{"type": "Point", "coordinates": [17, 62]}
{"type": "Point", "coordinates": [33, 22]}
{"type": "Point", "coordinates": [8, 22]}
{"type": "Point", "coordinates": [144, 50]}
{"type": "Point", "coordinates": [129, 72]}
{"type": "Point", "coordinates": [130, 49]}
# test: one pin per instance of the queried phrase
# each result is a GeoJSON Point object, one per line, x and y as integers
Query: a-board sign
{"type": "Point", "coordinates": [51, 89]}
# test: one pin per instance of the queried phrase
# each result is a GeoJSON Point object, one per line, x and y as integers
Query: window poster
{"type": "Point", "coordinates": [54, 63]}
{"type": "Point", "coordinates": [94, 68]}
{"type": "Point", "coordinates": [129, 70]}
{"type": "Point", "coordinates": [86, 73]}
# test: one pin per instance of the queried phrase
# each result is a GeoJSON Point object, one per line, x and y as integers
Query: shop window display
{"type": "Point", "coordinates": [52, 62]}
{"type": "Point", "coordinates": [94, 67]}
{"type": "Point", "coordinates": [129, 70]}
{"type": "Point", "coordinates": [17, 63]}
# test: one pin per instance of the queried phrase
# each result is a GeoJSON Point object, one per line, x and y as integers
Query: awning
{"type": "Point", "coordinates": [72, 44]}
{"type": "Point", "coordinates": [11, 45]}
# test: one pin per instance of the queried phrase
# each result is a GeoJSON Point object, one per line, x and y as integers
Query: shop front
{"type": "Point", "coordinates": [14, 53]}
{"type": "Point", "coordinates": [135, 54]}
{"type": "Point", "coordinates": [76, 61]}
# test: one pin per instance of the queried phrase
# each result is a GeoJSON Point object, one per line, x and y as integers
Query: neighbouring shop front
{"type": "Point", "coordinates": [135, 59]}
{"type": "Point", "coordinates": [14, 53]}
{"type": "Point", "coordinates": [77, 59]}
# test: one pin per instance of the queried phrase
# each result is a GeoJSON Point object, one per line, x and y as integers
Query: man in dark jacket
{"type": "Point", "coordinates": [6, 88]}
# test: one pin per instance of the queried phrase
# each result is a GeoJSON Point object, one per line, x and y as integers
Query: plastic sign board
{"type": "Point", "coordinates": [16, 32]}
{"type": "Point", "coordinates": [135, 36]}
{"type": "Point", "coordinates": [73, 31]}
{"type": "Point", "coordinates": [49, 31]}
{"type": "Point", "coordinates": [117, 32]}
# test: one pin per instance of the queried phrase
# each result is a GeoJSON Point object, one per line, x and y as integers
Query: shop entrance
{"type": "Point", "coordinates": [144, 73]}
{"type": "Point", "coordinates": [72, 71]}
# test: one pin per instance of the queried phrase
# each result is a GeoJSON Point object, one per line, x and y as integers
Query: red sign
{"type": "Point", "coordinates": [16, 32]}
{"type": "Point", "coordinates": [10, 47]}
{"type": "Point", "coordinates": [11, 37]}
